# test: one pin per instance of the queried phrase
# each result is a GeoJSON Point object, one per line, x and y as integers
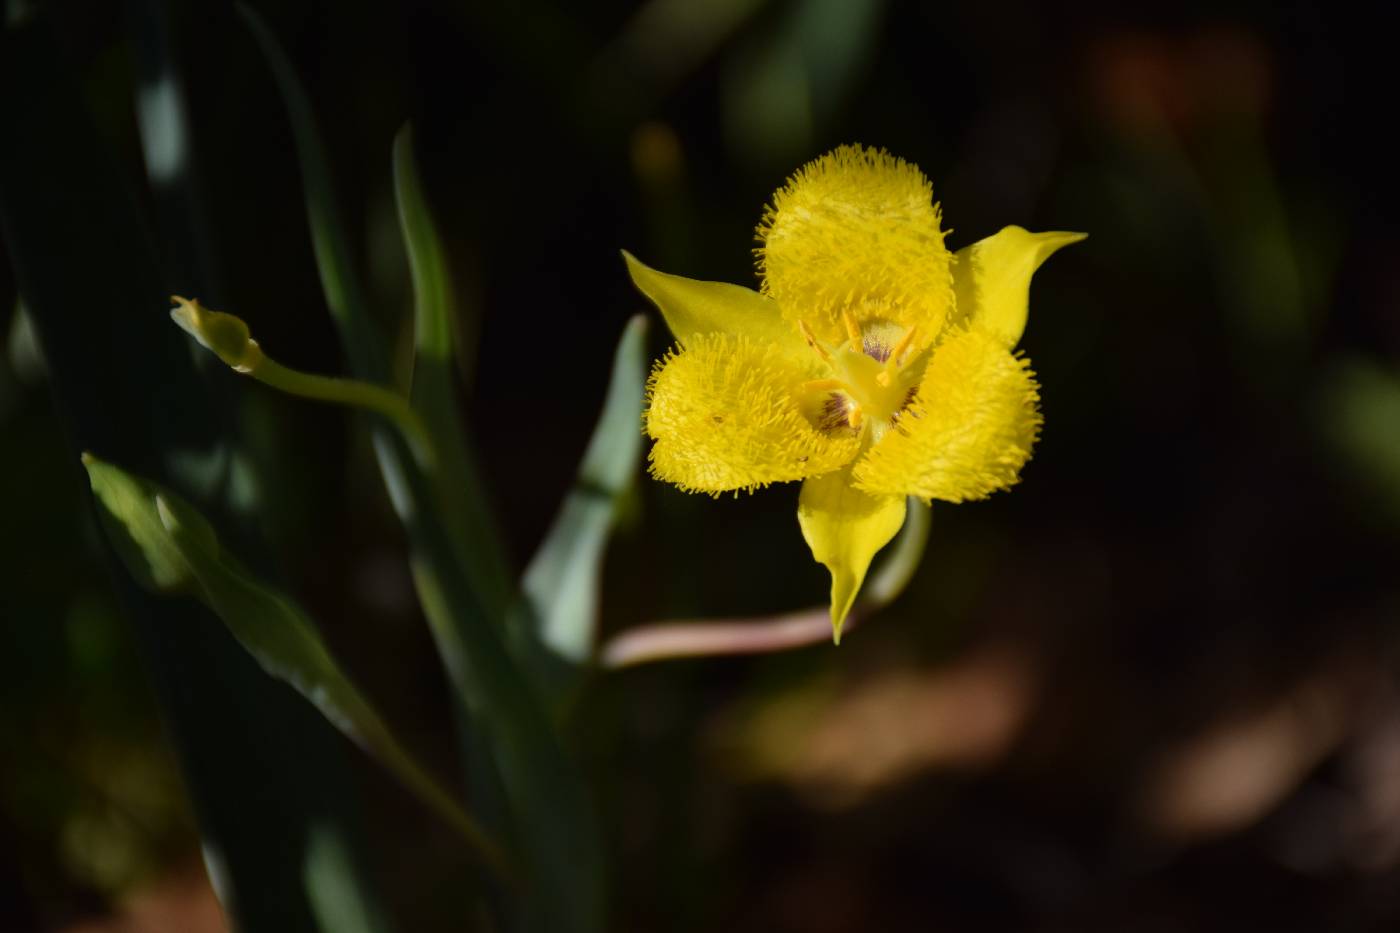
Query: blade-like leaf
{"type": "Point", "coordinates": [334, 868]}
{"type": "Point", "coordinates": [561, 583]}
{"type": "Point", "coordinates": [458, 481]}
{"type": "Point", "coordinates": [165, 531]}
{"type": "Point", "coordinates": [344, 296]}
{"type": "Point", "coordinates": [432, 286]}
{"type": "Point", "coordinates": [812, 52]}
{"type": "Point", "coordinates": [136, 532]}
{"type": "Point", "coordinates": [549, 809]}
{"type": "Point", "coordinates": [263, 771]}
{"type": "Point", "coordinates": [179, 208]}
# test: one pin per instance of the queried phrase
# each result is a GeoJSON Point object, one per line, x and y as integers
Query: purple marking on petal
{"type": "Point", "coordinates": [876, 349]}
{"type": "Point", "coordinates": [835, 413]}
{"type": "Point", "coordinates": [908, 403]}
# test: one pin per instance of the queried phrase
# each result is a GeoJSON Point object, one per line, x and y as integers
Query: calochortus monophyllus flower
{"type": "Point", "coordinates": [872, 365]}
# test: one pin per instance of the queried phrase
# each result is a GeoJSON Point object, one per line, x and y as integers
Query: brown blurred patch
{"type": "Point", "coordinates": [1142, 80]}
{"type": "Point", "coordinates": [657, 157]}
{"type": "Point", "coordinates": [1372, 775]}
{"type": "Point", "coordinates": [1240, 768]}
{"type": "Point", "coordinates": [179, 902]}
{"type": "Point", "coordinates": [837, 745]}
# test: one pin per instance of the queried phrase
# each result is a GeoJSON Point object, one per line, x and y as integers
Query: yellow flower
{"type": "Point", "coordinates": [873, 364]}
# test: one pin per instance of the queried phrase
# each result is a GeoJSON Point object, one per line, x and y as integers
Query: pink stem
{"type": "Point", "coordinates": [759, 635]}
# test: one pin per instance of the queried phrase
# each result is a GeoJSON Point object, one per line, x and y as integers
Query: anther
{"type": "Point", "coordinates": [823, 385]}
{"type": "Point", "coordinates": [885, 376]}
{"type": "Point", "coordinates": [903, 345]}
{"type": "Point", "coordinates": [811, 339]}
{"type": "Point", "coordinates": [852, 329]}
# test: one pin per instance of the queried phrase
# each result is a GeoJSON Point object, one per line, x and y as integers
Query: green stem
{"type": "Point", "coordinates": [228, 337]}
{"type": "Point", "coordinates": [903, 559]}
{"type": "Point", "coordinates": [350, 392]}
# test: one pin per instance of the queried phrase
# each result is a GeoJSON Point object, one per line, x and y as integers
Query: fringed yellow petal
{"type": "Point", "coordinates": [992, 278]}
{"type": "Point", "coordinates": [844, 527]}
{"type": "Point", "coordinates": [693, 307]}
{"type": "Point", "coordinates": [967, 432]}
{"type": "Point", "coordinates": [856, 225]}
{"type": "Point", "coordinates": [725, 414]}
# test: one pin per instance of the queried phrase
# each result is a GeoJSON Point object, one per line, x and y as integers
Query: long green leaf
{"type": "Point", "coordinates": [178, 204]}
{"type": "Point", "coordinates": [264, 772]}
{"type": "Point", "coordinates": [341, 893]}
{"type": "Point", "coordinates": [549, 806]}
{"type": "Point", "coordinates": [561, 583]}
{"type": "Point", "coordinates": [170, 548]}
{"type": "Point", "coordinates": [344, 297]}
{"type": "Point", "coordinates": [458, 479]}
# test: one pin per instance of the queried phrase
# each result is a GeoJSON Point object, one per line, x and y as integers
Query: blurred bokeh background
{"type": "Point", "coordinates": [1153, 688]}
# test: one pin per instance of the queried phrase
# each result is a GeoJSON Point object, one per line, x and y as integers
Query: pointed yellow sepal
{"type": "Point", "coordinates": [692, 308]}
{"type": "Point", "coordinates": [845, 527]}
{"type": "Point", "coordinates": [992, 278]}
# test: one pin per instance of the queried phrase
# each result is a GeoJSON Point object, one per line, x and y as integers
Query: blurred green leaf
{"type": "Point", "coordinates": [662, 43]}
{"type": "Point", "coordinates": [561, 583]}
{"type": "Point", "coordinates": [171, 548]}
{"type": "Point", "coordinates": [26, 357]}
{"type": "Point", "coordinates": [1359, 413]}
{"type": "Point", "coordinates": [338, 903]}
{"type": "Point", "coordinates": [782, 87]}
{"type": "Point", "coordinates": [1260, 271]}
{"type": "Point", "coordinates": [187, 240]}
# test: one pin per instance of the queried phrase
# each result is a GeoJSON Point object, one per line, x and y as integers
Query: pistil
{"type": "Point", "coordinates": [868, 383]}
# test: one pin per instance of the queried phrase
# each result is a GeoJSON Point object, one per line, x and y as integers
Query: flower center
{"type": "Point", "coordinates": [874, 375]}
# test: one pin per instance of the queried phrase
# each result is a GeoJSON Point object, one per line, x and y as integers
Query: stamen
{"type": "Point", "coordinates": [823, 385]}
{"type": "Point", "coordinates": [852, 328]}
{"type": "Point", "coordinates": [903, 345]}
{"type": "Point", "coordinates": [885, 376]}
{"type": "Point", "coordinates": [854, 416]}
{"type": "Point", "coordinates": [811, 339]}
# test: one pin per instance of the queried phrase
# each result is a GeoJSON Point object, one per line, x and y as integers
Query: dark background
{"type": "Point", "coordinates": [1152, 688]}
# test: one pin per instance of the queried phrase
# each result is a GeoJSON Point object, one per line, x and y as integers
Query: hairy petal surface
{"type": "Point", "coordinates": [844, 527]}
{"type": "Point", "coordinates": [692, 307]}
{"type": "Point", "coordinates": [992, 278]}
{"type": "Point", "coordinates": [725, 414]}
{"type": "Point", "coordinates": [856, 225]}
{"type": "Point", "coordinates": [968, 430]}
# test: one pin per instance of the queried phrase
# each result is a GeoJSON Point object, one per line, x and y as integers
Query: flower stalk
{"type": "Point", "coordinates": [229, 338]}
